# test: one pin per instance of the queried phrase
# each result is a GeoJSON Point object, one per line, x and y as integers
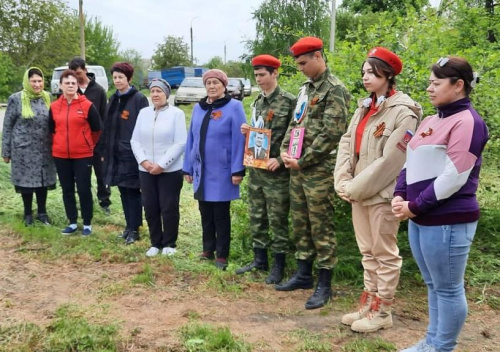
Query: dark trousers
{"type": "Point", "coordinates": [160, 197]}
{"type": "Point", "coordinates": [70, 171]}
{"type": "Point", "coordinates": [132, 207]}
{"type": "Point", "coordinates": [41, 200]}
{"type": "Point", "coordinates": [103, 192]}
{"type": "Point", "coordinates": [216, 224]}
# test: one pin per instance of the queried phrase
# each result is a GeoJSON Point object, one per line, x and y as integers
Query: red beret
{"type": "Point", "coordinates": [266, 60]}
{"type": "Point", "coordinates": [388, 57]}
{"type": "Point", "coordinates": [306, 45]}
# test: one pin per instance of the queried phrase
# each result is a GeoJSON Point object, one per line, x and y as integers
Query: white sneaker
{"type": "Point", "coordinates": [168, 251]}
{"type": "Point", "coordinates": [152, 252]}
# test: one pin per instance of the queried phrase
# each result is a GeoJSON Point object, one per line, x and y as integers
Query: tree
{"type": "Point", "coordinates": [173, 52]}
{"type": "Point", "coordinates": [133, 57]}
{"type": "Point", "coordinates": [215, 62]}
{"type": "Point", "coordinates": [101, 45]}
{"type": "Point", "coordinates": [364, 6]}
{"type": "Point", "coordinates": [279, 23]}
{"type": "Point", "coordinates": [39, 33]}
{"type": "Point", "coordinates": [7, 76]}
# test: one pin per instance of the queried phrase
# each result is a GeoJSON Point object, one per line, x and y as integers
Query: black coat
{"type": "Point", "coordinates": [121, 168]}
{"type": "Point", "coordinates": [97, 95]}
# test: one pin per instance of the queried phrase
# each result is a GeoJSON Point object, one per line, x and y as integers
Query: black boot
{"type": "Point", "coordinates": [302, 279]}
{"type": "Point", "coordinates": [124, 234]}
{"type": "Point", "coordinates": [277, 270]}
{"type": "Point", "coordinates": [323, 291]}
{"type": "Point", "coordinates": [132, 237]}
{"type": "Point", "coordinates": [259, 262]}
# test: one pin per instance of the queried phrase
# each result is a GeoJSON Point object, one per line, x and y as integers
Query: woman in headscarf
{"type": "Point", "coordinates": [213, 162]}
{"type": "Point", "coordinates": [121, 168]}
{"type": "Point", "coordinates": [26, 142]}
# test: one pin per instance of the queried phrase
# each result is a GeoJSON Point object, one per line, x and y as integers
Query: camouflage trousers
{"type": "Point", "coordinates": [311, 200]}
{"type": "Point", "coordinates": [269, 205]}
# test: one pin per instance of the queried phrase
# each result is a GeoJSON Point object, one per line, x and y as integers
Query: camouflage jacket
{"type": "Point", "coordinates": [276, 111]}
{"type": "Point", "coordinates": [325, 121]}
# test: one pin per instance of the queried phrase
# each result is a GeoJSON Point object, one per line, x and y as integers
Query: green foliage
{"type": "Point", "coordinates": [101, 45]}
{"type": "Point", "coordinates": [39, 33]}
{"type": "Point", "coordinates": [215, 62]}
{"type": "Point", "coordinates": [140, 65]}
{"type": "Point", "coordinates": [205, 338]}
{"type": "Point", "coordinates": [7, 77]}
{"type": "Point", "coordinates": [364, 6]}
{"type": "Point", "coordinates": [279, 23]}
{"type": "Point", "coordinates": [173, 52]}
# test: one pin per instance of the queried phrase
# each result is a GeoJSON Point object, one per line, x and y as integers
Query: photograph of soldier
{"type": "Point", "coordinates": [268, 189]}
{"type": "Point", "coordinates": [259, 150]}
{"type": "Point", "coordinates": [322, 110]}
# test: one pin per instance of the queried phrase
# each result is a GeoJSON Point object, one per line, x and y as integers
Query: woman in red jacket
{"type": "Point", "coordinates": [75, 125]}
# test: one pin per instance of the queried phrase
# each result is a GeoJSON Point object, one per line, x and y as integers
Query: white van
{"type": "Point", "coordinates": [98, 71]}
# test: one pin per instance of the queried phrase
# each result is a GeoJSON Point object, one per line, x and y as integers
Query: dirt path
{"type": "Point", "coordinates": [31, 290]}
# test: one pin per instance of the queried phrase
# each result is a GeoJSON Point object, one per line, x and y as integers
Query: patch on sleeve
{"type": "Point", "coordinates": [405, 140]}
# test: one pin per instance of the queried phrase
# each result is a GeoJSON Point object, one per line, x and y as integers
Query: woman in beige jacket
{"type": "Point", "coordinates": [370, 156]}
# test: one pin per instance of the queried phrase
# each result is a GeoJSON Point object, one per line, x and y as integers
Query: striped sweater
{"type": "Point", "coordinates": [441, 174]}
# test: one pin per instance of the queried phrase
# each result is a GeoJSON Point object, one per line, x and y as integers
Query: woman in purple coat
{"type": "Point", "coordinates": [213, 162]}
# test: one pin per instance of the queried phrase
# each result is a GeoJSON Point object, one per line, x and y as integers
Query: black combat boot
{"type": "Point", "coordinates": [323, 291]}
{"type": "Point", "coordinates": [259, 262]}
{"type": "Point", "coordinates": [277, 270]}
{"type": "Point", "coordinates": [302, 279]}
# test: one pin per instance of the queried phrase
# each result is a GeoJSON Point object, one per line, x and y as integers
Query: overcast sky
{"type": "Point", "coordinates": [142, 24]}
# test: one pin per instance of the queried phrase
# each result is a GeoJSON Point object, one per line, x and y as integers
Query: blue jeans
{"type": "Point", "coordinates": [441, 253]}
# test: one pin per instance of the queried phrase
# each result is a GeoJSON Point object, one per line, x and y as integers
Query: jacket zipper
{"type": "Point", "coordinates": [67, 128]}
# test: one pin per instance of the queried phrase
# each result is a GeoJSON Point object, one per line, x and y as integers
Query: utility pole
{"type": "Point", "coordinates": [82, 30]}
{"type": "Point", "coordinates": [191, 33]}
{"type": "Point", "coordinates": [332, 26]}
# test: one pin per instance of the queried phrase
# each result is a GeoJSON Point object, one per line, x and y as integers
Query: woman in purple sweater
{"type": "Point", "coordinates": [213, 162]}
{"type": "Point", "coordinates": [440, 198]}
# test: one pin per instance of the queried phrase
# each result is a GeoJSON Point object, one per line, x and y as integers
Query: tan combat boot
{"type": "Point", "coordinates": [364, 308]}
{"type": "Point", "coordinates": [380, 317]}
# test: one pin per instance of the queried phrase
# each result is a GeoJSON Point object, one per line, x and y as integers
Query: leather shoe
{"type": "Point", "coordinates": [28, 220]}
{"type": "Point", "coordinates": [43, 218]}
{"type": "Point", "coordinates": [132, 237]}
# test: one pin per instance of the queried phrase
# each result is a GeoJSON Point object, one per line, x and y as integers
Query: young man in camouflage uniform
{"type": "Point", "coordinates": [322, 110]}
{"type": "Point", "coordinates": [268, 190]}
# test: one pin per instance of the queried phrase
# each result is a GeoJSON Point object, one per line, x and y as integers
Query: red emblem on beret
{"type": "Point", "coordinates": [266, 60]}
{"type": "Point", "coordinates": [388, 57]}
{"type": "Point", "coordinates": [306, 45]}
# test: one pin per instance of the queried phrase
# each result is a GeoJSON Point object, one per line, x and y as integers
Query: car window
{"type": "Point", "coordinates": [192, 83]}
{"type": "Point", "coordinates": [57, 74]}
{"type": "Point", "coordinates": [233, 82]}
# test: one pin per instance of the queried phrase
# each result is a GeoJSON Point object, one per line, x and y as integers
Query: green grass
{"type": "Point", "coordinates": [205, 338]}
{"type": "Point", "coordinates": [70, 330]}
{"type": "Point", "coordinates": [368, 344]}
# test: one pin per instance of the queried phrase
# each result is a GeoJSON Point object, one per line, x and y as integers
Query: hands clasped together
{"type": "Point", "coordinates": [400, 208]}
{"type": "Point", "coordinates": [152, 168]}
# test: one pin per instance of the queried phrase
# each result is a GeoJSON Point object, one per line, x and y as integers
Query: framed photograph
{"type": "Point", "coordinates": [296, 140]}
{"type": "Point", "coordinates": [257, 147]}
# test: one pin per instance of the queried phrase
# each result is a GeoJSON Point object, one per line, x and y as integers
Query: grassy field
{"type": "Point", "coordinates": [96, 294]}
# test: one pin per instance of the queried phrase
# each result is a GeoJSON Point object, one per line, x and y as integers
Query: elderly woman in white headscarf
{"type": "Point", "coordinates": [158, 144]}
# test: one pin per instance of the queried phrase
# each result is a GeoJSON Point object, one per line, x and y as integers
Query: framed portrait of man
{"type": "Point", "coordinates": [257, 146]}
